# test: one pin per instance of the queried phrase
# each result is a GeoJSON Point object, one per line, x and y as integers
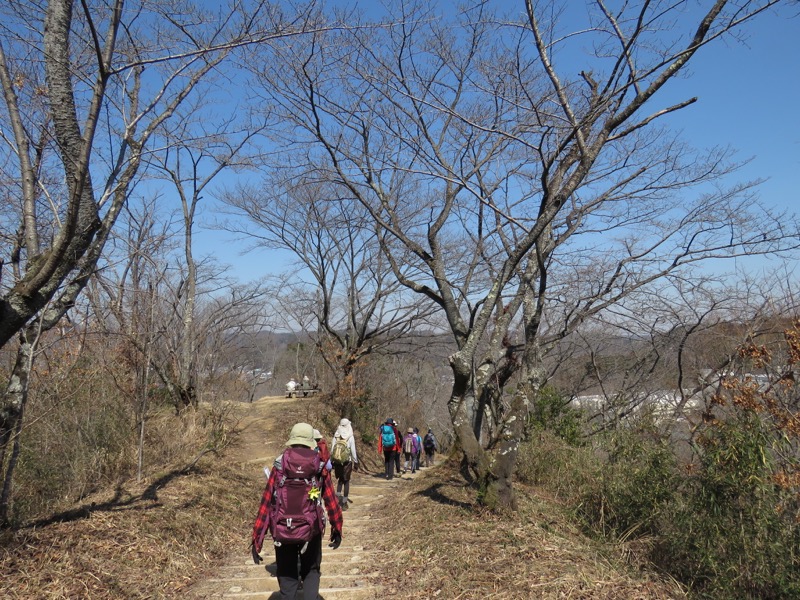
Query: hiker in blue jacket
{"type": "Point", "coordinates": [388, 445]}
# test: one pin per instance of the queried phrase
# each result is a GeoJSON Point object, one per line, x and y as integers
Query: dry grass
{"type": "Point", "coordinates": [145, 542]}
{"type": "Point", "coordinates": [156, 539]}
{"type": "Point", "coordinates": [445, 546]}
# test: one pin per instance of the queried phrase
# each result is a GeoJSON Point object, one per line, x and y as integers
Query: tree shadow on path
{"type": "Point", "coordinates": [435, 493]}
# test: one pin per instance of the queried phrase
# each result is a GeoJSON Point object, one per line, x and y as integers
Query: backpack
{"type": "Point", "coordinates": [296, 513]}
{"type": "Point", "coordinates": [429, 443]}
{"type": "Point", "coordinates": [341, 452]}
{"type": "Point", "coordinates": [408, 444]}
{"type": "Point", "coordinates": [387, 436]}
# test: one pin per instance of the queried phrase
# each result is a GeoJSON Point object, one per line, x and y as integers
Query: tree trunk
{"type": "Point", "coordinates": [496, 488]}
{"type": "Point", "coordinates": [11, 415]}
{"type": "Point", "coordinates": [186, 363]}
{"type": "Point", "coordinates": [461, 398]}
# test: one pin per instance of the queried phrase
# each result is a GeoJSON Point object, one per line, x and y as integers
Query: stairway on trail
{"type": "Point", "coordinates": [352, 571]}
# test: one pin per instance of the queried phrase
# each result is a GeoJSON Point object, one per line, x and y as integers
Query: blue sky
{"type": "Point", "coordinates": [748, 96]}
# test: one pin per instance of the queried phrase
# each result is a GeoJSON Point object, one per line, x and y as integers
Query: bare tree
{"type": "Point", "coordinates": [124, 295]}
{"type": "Point", "coordinates": [120, 68]}
{"type": "Point", "coordinates": [341, 278]}
{"type": "Point", "coordinates": [520, 189]}
{"type": "Point", "coordinates": [195, 154]}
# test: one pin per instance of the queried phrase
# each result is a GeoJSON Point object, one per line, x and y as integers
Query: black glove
{"type": "Point", "coordinates": [336, 540]}
{"type": "Point", "coordinates": [256, 556]}
{"type": "Point", "coordinates": [355, 466]}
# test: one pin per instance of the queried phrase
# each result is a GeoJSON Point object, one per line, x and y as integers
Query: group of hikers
{"type": "Point", "coordinates": [300, 491]}
{"type": "Point", "coordinates": [292, 385]}
{"type": "Point", "coordinates": [392, 445]}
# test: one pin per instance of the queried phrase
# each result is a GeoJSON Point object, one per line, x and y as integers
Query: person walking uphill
{"type": "Point", "coordinates": [322, 449]}
{"type": "Point", "coordinates": [344, 459]}
{"type": "Point", "coordinates": [430, 446]}
{"type": "Point", "coordinates": [291, 511]}
{"type": "Point", "coordinates": [388, 445]}
{"type": "Point", "coordinates": [416, 459]}
{"type": "Point", "coordinates": [398, 449]}
{"type": "Point", "coordinates": [410, 450]}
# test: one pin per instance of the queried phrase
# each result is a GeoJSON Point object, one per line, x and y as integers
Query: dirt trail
{"type": "Point", "coordinates": [353, 570]}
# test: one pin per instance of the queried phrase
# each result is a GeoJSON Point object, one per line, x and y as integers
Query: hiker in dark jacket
{"type": "Point", "coordinates": [310, 552]}
{"type": "Point", "coordinates": [430, 446]}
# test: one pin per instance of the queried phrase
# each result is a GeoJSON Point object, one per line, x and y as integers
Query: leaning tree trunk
{"type": "Point", "coordinates": [11, 418]}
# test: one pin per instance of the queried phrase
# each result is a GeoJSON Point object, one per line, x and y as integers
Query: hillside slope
{"type": "Point", "coordinates": [185, 534]}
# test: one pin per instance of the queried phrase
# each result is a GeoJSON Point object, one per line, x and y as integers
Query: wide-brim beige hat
{"type": "Point", "coordinates": [302, 434]}
{"type": "Point", "coordinates": [410, 430]}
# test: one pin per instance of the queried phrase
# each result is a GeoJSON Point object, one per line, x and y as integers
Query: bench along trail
{"type": "Point", "coordinates": [352, 571]}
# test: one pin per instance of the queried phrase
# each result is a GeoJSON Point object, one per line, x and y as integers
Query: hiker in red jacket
{"type": "Point", "coordinates": [398, 449]}
{"type": "Point", "coordinates": [298, 474]}
{"type": "Point", "coordinates": [322, 448]}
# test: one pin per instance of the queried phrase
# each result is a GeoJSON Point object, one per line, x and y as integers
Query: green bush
{"type": "Point", "coordinates": [636, 486]}
{"type": "Point", "coordinates": [735, 533]}
{"type": "Point", "coordinates": [552, 413]}
{"type": "Point", "coordinates": [724, 528]}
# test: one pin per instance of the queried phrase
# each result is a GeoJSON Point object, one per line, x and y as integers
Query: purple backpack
{"type": "Point", "coordinates": [296, 513]}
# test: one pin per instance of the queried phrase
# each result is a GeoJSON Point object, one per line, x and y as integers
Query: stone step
{"type": "Point", "coordinates": [269, 583]}
{"type": "Point", "coordinates": [338, 563]}
{"type": "Point", "coordinates": [343, 554]}
{"type": "Point", "coordinates": [351, 572]}
{"type": "Point", "coordinates": [345, 593]}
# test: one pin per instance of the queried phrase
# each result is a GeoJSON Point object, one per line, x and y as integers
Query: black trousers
{"type": "Point", "coordinates": [286, 559]}
{"type": "Point", "coordinates": [389, 458]}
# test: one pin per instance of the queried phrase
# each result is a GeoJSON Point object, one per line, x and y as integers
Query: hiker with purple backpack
{"type": "Point", "coordinates": [292, 512]}
{"type": "Point", "coordinates": [416, 457]}
{"type": "Point", "coordinates": [410, 450]}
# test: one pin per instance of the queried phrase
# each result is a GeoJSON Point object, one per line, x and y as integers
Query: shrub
{"type": "Point", "coordinates": [565, 470]}
{"type": "Point", "coordinates": [635, 487]}
{"type": "Point", "coordinates": [552, 413]}
{"type": "Point", "coordinates": [732, 535]}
